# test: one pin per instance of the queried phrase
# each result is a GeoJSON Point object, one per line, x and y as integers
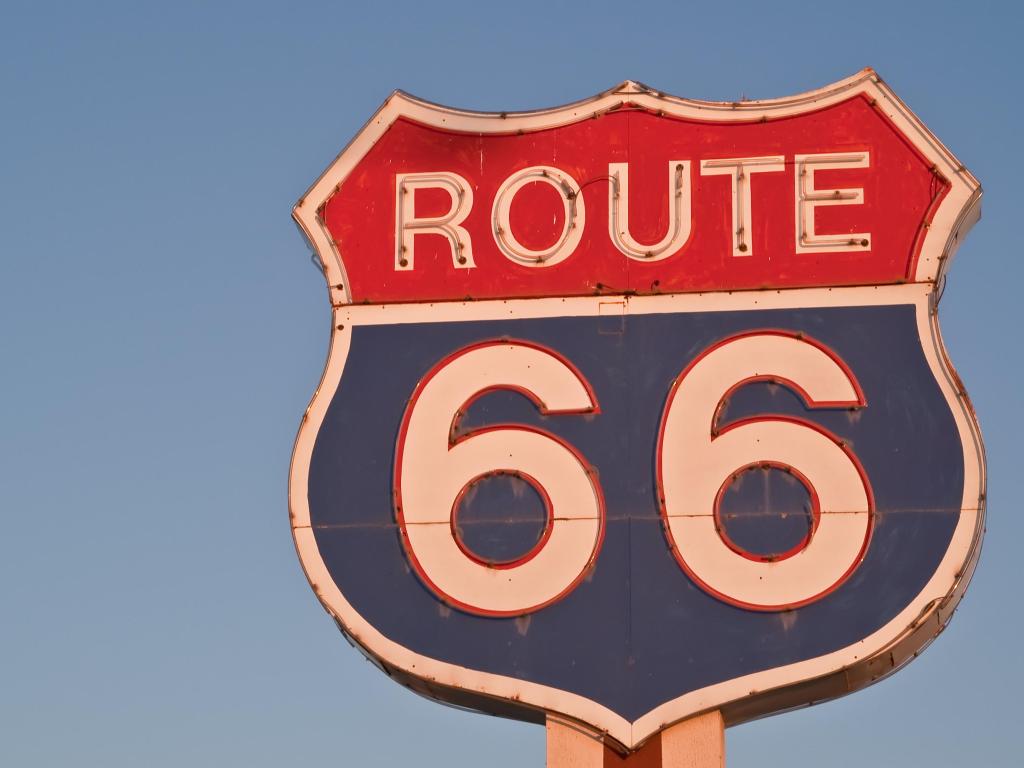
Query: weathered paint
{"type": "Point", "coordinates": [506, 327]}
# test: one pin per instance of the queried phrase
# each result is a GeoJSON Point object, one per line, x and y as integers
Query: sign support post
{"type": "Point", "coordinates": [698, 742]}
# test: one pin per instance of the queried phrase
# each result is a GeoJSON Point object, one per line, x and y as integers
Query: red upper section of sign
{"type": "Point", "coordinates": [900, 194]}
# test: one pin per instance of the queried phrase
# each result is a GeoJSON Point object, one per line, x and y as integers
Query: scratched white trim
{"type": "Point", "coordinates": [591, 306]}
{"type": "Point", "coordinates": [934, 604]}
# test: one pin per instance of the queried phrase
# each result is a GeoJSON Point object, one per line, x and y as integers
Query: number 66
{"type": "Point", "coordinates": [695, 461]}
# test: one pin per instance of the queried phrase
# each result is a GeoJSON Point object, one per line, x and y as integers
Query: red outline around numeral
{"type": "Point", "coordinates": [591, 472]}
{"type": "Point", "coordinates": [860, 402]}
{"type": "Point", "coordinates": [549, 520]}
{"type": "Point", "coordinates": [799, 547]}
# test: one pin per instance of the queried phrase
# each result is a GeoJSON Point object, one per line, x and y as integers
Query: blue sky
{"type": "Point", "coordinates": [162, 330]}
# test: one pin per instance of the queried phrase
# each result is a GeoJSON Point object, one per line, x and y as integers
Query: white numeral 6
{"type": "Point", "coordinates": [696, 461]}
{"type": "Point", "coordinates": [432, 470]}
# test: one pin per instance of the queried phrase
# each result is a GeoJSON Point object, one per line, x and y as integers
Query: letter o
{"type": "Point", "coordinates": [572, 226]}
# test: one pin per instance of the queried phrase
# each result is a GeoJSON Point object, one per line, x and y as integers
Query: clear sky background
{"type": "Point", "coordinates": [162, 329]}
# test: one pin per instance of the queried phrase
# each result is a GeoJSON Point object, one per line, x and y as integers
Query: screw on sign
{"type": "Point", "coordinates": [636, 420]}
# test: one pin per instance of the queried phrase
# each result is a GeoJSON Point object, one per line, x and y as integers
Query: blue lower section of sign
{"type": "Point", "coordinates": [638, 632]}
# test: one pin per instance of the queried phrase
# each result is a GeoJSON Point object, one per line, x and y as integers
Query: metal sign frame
{"type": "Point", "coordinates": [742, 698]}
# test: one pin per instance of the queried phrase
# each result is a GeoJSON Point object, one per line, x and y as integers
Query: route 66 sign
{"type": "Point", "coordinates": [637, 408]}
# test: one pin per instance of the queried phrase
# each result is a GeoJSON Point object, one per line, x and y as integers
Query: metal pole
{"type": "Point", "coordinates": [698, 742]}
